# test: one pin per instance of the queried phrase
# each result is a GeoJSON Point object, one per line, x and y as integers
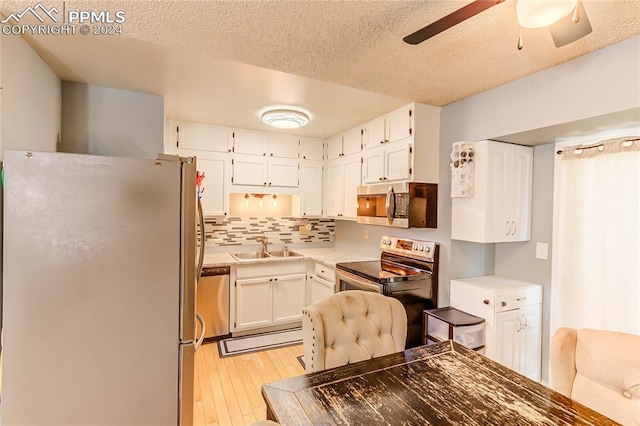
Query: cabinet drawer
{"type": "Point", "coordinates": [324, 271]}
{"type": "Point", "coordinates": [518, 298]}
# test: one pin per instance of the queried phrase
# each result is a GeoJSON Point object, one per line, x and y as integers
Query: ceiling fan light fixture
{"type": "Point", "coordinates": [285, 118]}
{"type": "Point", "coordinates": [543, 13]}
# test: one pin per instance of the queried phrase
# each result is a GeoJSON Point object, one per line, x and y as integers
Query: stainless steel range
{"type": "Point", "coordinates": [407, 270]}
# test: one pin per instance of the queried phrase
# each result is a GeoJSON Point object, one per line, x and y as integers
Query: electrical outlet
{"type": "Point", "coordinates": [366, 234]}
{"type": "Point", "coordinates": [542, 251]}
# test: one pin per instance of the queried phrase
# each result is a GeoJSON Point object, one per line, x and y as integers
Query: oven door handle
{"type": "Point", "coordinates": [356, 281]}
{"type": "Point", "coordinates": [390, 205]}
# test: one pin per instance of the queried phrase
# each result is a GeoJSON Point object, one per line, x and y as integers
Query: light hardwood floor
{"type": "Point", "coordinates": [227, 390]}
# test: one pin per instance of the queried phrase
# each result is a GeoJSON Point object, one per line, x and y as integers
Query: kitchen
{"type": "Point", "coordinates": [588, 94]}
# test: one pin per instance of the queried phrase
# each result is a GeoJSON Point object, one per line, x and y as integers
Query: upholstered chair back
{"type": "Point", "coordinates": [599, 369]}
{"type": "Point", "coordinates": [352, 326]}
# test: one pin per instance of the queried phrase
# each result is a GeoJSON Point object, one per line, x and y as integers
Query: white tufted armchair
{"type": "Point", "coordinates": [352, 326]}
{"type": "Point", "coordinates": [600, 369]}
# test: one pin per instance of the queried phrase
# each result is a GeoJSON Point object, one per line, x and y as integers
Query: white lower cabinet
{"type": "Point", "coordinates": [512, 311]}
{"type": "Point", "coordinates": [268, 294]}
{"type": "Point", "coordinates": [321, 282]}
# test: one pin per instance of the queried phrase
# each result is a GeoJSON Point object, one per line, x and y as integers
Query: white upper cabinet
{"type": "Point", "coordinates": [250, 143]}
{"type": "Point", "coordinates": [283, 146]}
{"type": "Point", "coordinates": [311, 188]}
{"type": "Point", "coordinates": [334, 148]}
{"type": "Point", "coordinates": [334, 189]}
{"type": "Point", "coordinates": [392, 128]}
{"type": "Point", "coordinates": [341, 187]}
{"type": "Point", "coordinates": [249, 170]}
{"type": "Point", "coordinates": [282, 172]}
{"type": "Point", "coordinates": [387, 164]}
{"type": "Point", "coordinates": [500, 210]}
{"type": "Point", "coordinates": [311, 149]}
{"type": "Point", "coordinates": [352, 142]}
{"type": "Point", "coordinates": [203, 137]}
{"type": "Point", "coordinates": [216, 187]}
{"type": "Point", "coordinates": [352, 181]}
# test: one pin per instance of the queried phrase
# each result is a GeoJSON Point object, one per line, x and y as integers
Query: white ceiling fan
{"type": "Point", "coordinates": [567, 19]}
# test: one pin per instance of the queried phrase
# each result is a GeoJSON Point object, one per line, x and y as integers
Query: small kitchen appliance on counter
{"type": "Point", "coordinates": [407, 270]}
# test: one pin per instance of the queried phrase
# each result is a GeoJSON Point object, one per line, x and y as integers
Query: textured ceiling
{"type": "Point", "coordinates": [292, 46]}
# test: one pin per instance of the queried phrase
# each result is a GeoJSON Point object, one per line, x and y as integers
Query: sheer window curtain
{"type": "Point", "coordinates": [596, 238]}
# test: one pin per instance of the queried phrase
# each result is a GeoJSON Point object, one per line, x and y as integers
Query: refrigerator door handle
{"type": "Point", "coordinates": [198, 343]}
{"type": "Point", "coordinates": [202, 240]}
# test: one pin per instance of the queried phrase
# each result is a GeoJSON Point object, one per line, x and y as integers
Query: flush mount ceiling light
{"type": "Point", "coordinates": [283, 118]}
{"type": "Point", "coordinates": [542, 13]}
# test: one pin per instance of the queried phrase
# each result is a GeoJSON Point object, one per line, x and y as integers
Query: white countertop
{"type": "Point", "coordinates": [328, 256]}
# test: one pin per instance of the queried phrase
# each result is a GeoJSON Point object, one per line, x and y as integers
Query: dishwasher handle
{"type": "Point", "coordinates": [215, 271]}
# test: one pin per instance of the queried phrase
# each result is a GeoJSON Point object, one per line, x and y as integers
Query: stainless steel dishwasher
{"type": "Point", "coordinates": [212, 301]}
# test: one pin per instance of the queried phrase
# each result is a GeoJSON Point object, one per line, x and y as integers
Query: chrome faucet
{"type": "Point", "coordinates": [263, 241]}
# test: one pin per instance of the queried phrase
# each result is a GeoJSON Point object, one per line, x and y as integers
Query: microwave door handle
{"type": "Point", "coordinates": [390, 205]}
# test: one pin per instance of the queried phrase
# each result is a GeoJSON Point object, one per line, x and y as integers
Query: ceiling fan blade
{"type": "Point", "coordinates": [454, 18]}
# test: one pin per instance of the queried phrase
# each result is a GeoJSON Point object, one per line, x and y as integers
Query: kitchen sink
{"type": "Point", "coordinates": [284, 254]}
{"type": "Point", "coordinates": [255, 255]}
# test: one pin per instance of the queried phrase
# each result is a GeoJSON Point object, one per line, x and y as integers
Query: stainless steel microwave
{"type": "Point", "coordinates": [402, 205]}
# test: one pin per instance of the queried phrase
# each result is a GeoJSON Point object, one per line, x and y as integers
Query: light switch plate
{"type": "Point", "coordinates": [542, 251]}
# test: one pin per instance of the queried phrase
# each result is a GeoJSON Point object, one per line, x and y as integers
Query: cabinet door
{"type": "Point", "coordinates": [520, 195]}
{"type": "Point", "coordinates": [352, 179]}
{"type": "Point", "coordinates": [288, 298]}
{"type": "Point", "coordinates": [334, 189]}
{"type": "Point", "coordinates": [282, 146]}
{"type": "Point", "coordinates": [398, 125]}
{"type": "Point", "coordinates": [283, 172]}
{"type": "Point", "coordinates": [203, 137]}
{"type": "Point", "coordinates": [251, 143]}
{"type": "Point", "coordinates": [311, 193]}
{"type": "Point", "coordinates": [215, 184]}
{"type": "Point", "coordinates": [352, 142]}
{"type": "Point", "coordinates": [321, 288]}
{"type": "Point", "coordinates": [507, 345]}
{"type": "Point", "coordinates": [252, 310]}
{"type": "Point", "coordinates": [373, 165]}
{"type": "Point", "coordinates": [498, 186]}
{"type": "Point", "coordinates": [374, 134]}
{"type": "Point", "coordinates": [334, 148]}
{"type": "Point", "coordinates": [311, 149]}
{"type": "Point", "coordinates": [247, 170]}
{"type": "Point", "coordinates": [531, 341]}
{"type": "Point", "coordinates": [398, 162]}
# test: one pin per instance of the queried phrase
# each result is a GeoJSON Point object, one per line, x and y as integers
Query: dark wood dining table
{"type": "Point", "coordinates": [440, 384]}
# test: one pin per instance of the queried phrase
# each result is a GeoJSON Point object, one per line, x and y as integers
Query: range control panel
{"type": "Point", "coordinates": [416, 249]}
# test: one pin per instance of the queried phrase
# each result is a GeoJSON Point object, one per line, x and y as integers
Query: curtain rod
{"type": "Point", "coordinates": [599, 144]}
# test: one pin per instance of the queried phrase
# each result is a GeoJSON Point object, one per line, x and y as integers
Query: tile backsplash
{"type": "Point", "coordinates": [237, 231]}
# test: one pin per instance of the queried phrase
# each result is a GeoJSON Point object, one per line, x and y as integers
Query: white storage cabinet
{"type": "Point", "coordinates": [341, 187]}
{"type": "Point", "coordinates": [512, 310]}
{"type": "Point", "coordinates": [500, 210]}
{"type": "Point", "coordinates": [322, 282]}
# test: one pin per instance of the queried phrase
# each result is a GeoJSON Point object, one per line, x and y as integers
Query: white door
{"type": "Point", "coordinates": [498, 191]}
{"type": "Point", "coordinates": [203, 137]}
{"type": "Point", "coordinates": [251, 143]}
{"type": "Point", "coordinates": [398, 162]}
{"type": "Point", "coordinates": [283, 146]}
{"type": "Point", "coordinates": [311, 188]}
{"type": "Point", "coordinates": [216, 191]}
{"type": "Point", "coordinates": [352, 179]}
{"type": "Point", "coordinates": [521, 191]}
{"type": "Point", "coordinates": [334, 188]}
{"type": "Point", "coordinates": [373, 165]}
{"type": "Point", "coordinates": [248, 170]}
{"type": "Point", "coordinates": [283, 172]}
{"type": "Point", "coordinates": [374, 134]}
{"type": "Point", "coordinates": [288, 298]}
{"type": "Point", "coordinates": [321, 288]}
{"type": "Point", "coordinates": [352, 142]}
{"type": "Point", "coordinates": [507, 344]}
{"type": "Point", "coordinates": [252, 303]}
{"type": "Point", "coordinates": [398, 125]}
{"type": "Point", "coordinates": [334, 148]}
{"type": "Point", "coordinates": [311, 149]}
{"type": "Point", "coordinates": [530, 355]}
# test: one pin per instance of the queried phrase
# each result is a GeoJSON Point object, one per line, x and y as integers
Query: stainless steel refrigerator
{"type": "Point", "coordinates": [99, 281]}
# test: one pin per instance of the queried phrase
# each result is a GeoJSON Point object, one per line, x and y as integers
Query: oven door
{"type": "Point", "coordinates": [348, 281]}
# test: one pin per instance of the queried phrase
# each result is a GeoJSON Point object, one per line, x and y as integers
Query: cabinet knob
{"type": "Point", "coordinates": [304, 157]}
{"type": "Point", "coordinates": [379, 178]}
{"type": "Point", "coordinates": [271, 154]}
{"type": "Point", "coordinates": [485, 301]}
{"type": "Point", "coordinates": [519, 299]}
{"type": "Point", "coordinates": [270, 279]}
{"type": "Point", "coordinates": [264, 184]}
{"type": "Point", "coordinates": [275, 279]}
{"type": "Point", "coordinates": [269, 183]}
{"type": "Point", "coordinates": [264, 153]}
{"type": "Point", "coordinates": [381, 142]}
{"type": "Point", "coordinates": [504, 304]}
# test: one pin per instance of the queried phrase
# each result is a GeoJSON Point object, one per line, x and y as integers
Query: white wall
{"type": "Point", "coordinates": [105, 121]}
{"type": "Point", "coordinates": [31, 100]}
